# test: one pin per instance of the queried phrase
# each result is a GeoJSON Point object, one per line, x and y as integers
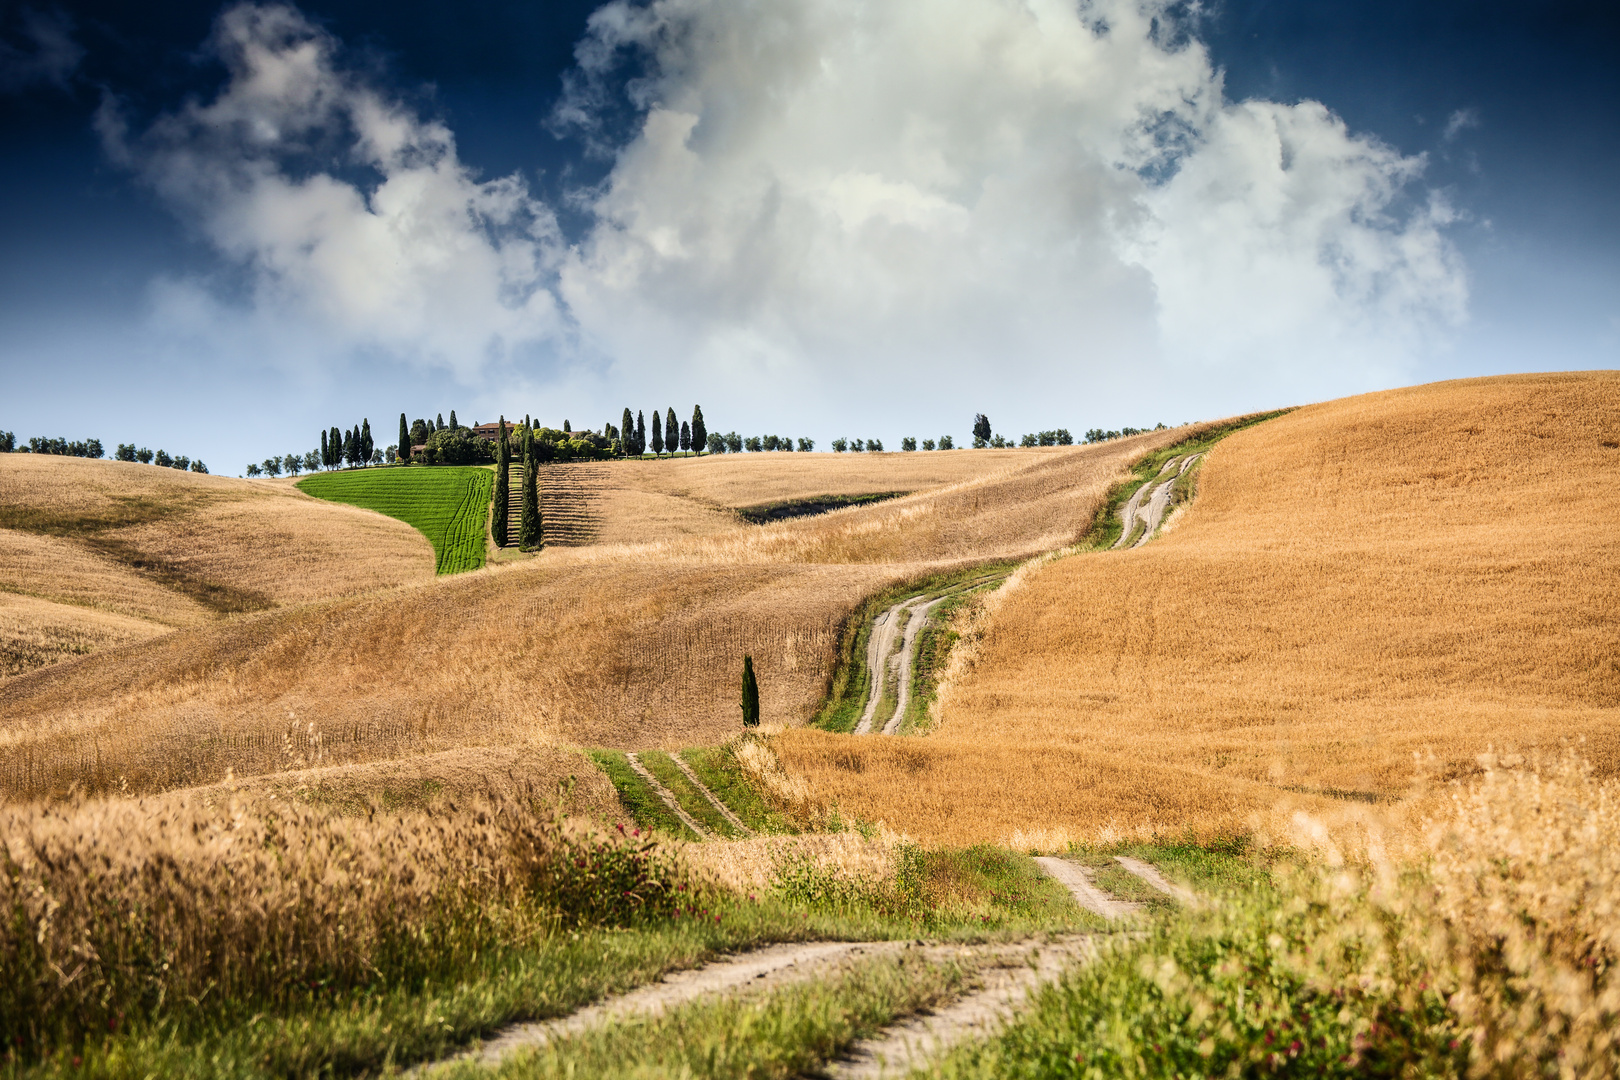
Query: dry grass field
{"type": "Point", "coordinates": [1363, 591]}
{"type": "Point", "coordinates": [112, 552]}
{"type": "Point", "coordinates": [612, 644]}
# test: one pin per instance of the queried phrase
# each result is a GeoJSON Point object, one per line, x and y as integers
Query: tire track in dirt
{"type": "Point", "coordinates": [714, 800]}
{"type": "Point", "coordinates": [666, 795]}
{"type": "Point", "coordinates": [1077, 879]}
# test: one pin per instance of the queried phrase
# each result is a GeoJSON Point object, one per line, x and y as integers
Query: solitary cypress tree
{"type": "Point", "coordinates": [530, 528]}
{"type": "Point", "coordinates": [503, 489]}
{"type": "Point", "coordinates": [686, 436]}
{"type": "Point", "coordinates": [404, 439]}
{"type": "Point", "coordinates": [750, 694]}
{"type": "Point", "coordinates": [658, 434]}
{"type": "Point", "coordinates": [700, 433]}
{"type": "Point", "coordinates": [672, 432]}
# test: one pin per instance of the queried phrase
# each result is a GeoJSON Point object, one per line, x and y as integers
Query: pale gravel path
{"type": "Point", "coordinates": [667, 796]}
{"type": "Point", "coordinates": [1015, 972]}
{"type": "Point", "coordinates": [770, 967]}
{"type": "Point", "coordinates": [1154, 514]}
{"type": "Point", "coordinates": [714, 800]}
{"type": "Point", "coordinates": [1150, 874]}
{"type": "Point", "coordinates": [902, 663]}
{"type": "Point", "coordinates": [1075, 878]}
{"type": "Point", "coordinates": [878, 648]}
{"type": "Point", "coordinates": [1128, 515]}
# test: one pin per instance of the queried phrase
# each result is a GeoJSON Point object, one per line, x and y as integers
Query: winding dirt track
{"type": "Point", "coordinates": [667, 796]}
{"type": "Point", "coordinates": [714, 800]}
{"type": "Point", "coordinates": [1157, 497]}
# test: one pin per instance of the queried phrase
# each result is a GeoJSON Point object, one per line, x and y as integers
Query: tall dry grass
{"type": "Point", "coordinates": [119, 910]}
{"type": "Point", "coordinates": [1424, 571]}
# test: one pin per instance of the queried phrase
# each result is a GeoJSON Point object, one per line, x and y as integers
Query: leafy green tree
{"type": "Point", "coordinates": [753, 444]}
{"type": "Point", "coordinates": [875, 445]}
{"type": "Point", "coordinates": [928, 444]}
{"type": "Point", "coordinates": [806, 445]}
{"type": "Point", "coordinates": [503, 488]}
{"type": "Point", "coordinates": [772, 442]}
{"type": "Point", "coordinates": [125, 451]}
{"type": "Point", "coordinates": [182, 463]}
{"type": "Point", "coordinates": [419, 433]}
{"type": "Point", "coordinates": [312, 461]}
{"type": "Point", "coordinates": [840, 445]}
{"type": "Point", "coordinates": [198, 467]}
{"type": "Point", "coordinates": [733, 443]}
{"type": "Point", "coordinates": [530, 527]}
{"type": "Point", "coordinates": [717, 443]}
{"type": "Point", "coordinates": [293, 463]}
{"type": "Point", "coordinates": [945, 443]}
{"type": "Point", "coordinates": [254, 470]}
{"type": "Point", "coordinates": [658, 436]}
{"type": "Point", "coordinates": [750, 694]}
{"type": "Point", "coordinates": [981, 430]}
{"type": "Point", "coordinates": [163, 459]}
{"type": "Point", "coordinates": [908, 443]}
{"type": "Point", "coordinates": [271, 466]}
{"type": "Point", "coordinates": [672, 432]}
{"type": "Point", "coordinates": [8, 442]}
{"type": "Point", "coordinates": [144, 456]}
{"type": "Point", "coordinates": [700, 431]}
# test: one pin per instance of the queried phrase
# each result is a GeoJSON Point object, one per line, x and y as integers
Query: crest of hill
{"type": "Point", "coordinates": [616, 645]}
{"type": "Point", "coordinates": [108, 552]}
{"type": "Point", "coordinates": [1432, 571]}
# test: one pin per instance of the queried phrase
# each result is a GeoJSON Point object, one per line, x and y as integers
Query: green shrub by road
{"type": "Point", "coordinates": [448, 505]}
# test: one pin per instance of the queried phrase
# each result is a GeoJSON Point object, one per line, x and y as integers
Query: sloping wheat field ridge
{"type": "Point", "coordinates": [101, 553]}
{"type": "Point", "coordinates": [1364, 593]}
{"type": "Point", "coordinates": [633, 643]}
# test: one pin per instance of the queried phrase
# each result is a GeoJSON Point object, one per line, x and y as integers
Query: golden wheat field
{"type": "Point", "coordinates": [101, 553]}
{"type": "Point", "coordinates": [630, 645]}
{"type": "Point", "coordinates": [1363, 592]}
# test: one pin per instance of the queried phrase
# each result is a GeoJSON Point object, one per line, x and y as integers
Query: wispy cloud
{"type": "Point", "coordinates": [47, 53]}
{"type": "Point", "coordinates": [1459, 122]}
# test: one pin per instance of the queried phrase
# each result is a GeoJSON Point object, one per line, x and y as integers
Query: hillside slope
{"type": "Point", "coordinates": [620, 645]}
{"type": "Point", "coordinates": [1429, 571]}
{"type": "Point", "coordinates": [109, 552]}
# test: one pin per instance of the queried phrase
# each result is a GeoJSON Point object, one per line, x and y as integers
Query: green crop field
{"type": "Point", "coordinates": [449, 505]}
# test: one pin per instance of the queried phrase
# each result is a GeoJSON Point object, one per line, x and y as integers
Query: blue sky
{"type": "Point", "coordinates": [224, 228]}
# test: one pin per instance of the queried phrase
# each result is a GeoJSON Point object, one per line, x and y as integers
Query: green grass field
{"type": "Point", "coordinates": [447, 504]}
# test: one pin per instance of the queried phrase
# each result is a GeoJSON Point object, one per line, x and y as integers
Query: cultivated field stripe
{"type": "Point", "coordinates": [1078, 882]}
{"type": "Point", "coordinates": [1008, 985]}
{"type": "Point", "coordinates": [667, 796]}
{"type": "Point", "coordinates": [714, 800]}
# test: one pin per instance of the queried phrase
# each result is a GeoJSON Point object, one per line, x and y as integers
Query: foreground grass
{"type": "Point", "coordinates": [718, 768]}
{"type": "Point", "coordinates": [447, 504]}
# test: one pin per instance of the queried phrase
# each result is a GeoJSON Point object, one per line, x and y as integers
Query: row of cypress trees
{"type": "Point", "coordinates": [531, 527]}
{"type": "Point", "coordinates": [353, 447]}
{"type": "Point", "coordinates": [669, 434]}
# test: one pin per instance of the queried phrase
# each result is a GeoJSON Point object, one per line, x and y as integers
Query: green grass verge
{"type": "Point", "coordinates": [691, 799]}
{"type": "Point", "coordinates": [851, 681]}
{"type": "Point", "coordinates": [717, 767]}
{"type": "Point", "coordinates": [640, 801]}
{"type": "Point", "coordinates": [788, 1033]}
{"type": "Point", "coordinates": [447, 504]}
{"type": "Point", "coordinates": [1106, 525]}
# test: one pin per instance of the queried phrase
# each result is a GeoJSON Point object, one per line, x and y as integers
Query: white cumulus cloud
{"type": "Point", "coordinates": [906, 198]}
{"type": "Point", "coordinates": [352, 213]}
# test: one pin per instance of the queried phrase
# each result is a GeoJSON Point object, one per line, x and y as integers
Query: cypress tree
{"type": "Point", "coordinates": [503, 488]}
{"type": "Point", "coordinates": [700, 433]}
{"type": "Point", "coordinates": [686, 436]}
{"type": "Point", "coordinates": [672, 431]}
{"type": "Point", "coordinates": [750, 694]}
{"type": "Point", "coordinates": [531, 534]}
{"type": "Point", "coordinates": [438, 425]}
{"type": "Point", "coordinates": [453, 424]}
{"type": "Point", "coordinates": [628, 423]}
{"type": "Point", "coordinates": [337, 448]}
{"type": "Point", "coordinates": [366, 444]}
{"type": "Point", "coordinates": [326, 455]}
{"type": "Point", "coordinates": [404, 439]}
{"type": "Point", "coordinates": [641, 434]}
{"type": "Point", "coordinates": [658, 435]}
